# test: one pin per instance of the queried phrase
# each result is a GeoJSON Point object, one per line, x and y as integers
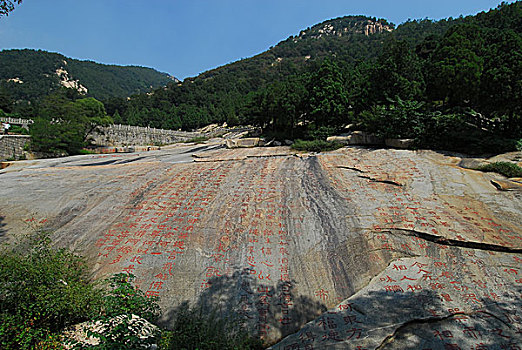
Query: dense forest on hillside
{"type": "Point", "coordinates": [28, 75]}
{"type": "Point", "coordinates": [459, 79]}
{"type": "Point", "coordinates": [453, 84]}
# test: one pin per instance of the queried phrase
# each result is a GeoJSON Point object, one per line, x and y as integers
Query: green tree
{"type": "Point", "coordinates": [501, 88]}
{"type": "Point", "coordinates": [86, 114]}
{"type": "Point", "coordinates": [328, 98]}
{"type": "Point", "coordinates": [63, 125]}
{"type": "Point", "coordinates": [400, 119]}
{"type": "Point", "coordinates": [455, 67]}
{"type": "Point", "coordinates": [280, 107]}
{"type": "Point", "coordinates": [7, 6]}
{"type": "Point", "coordinates": [359, 87]}
{"type": "Point", "coordinates": [397, 73]}
{"type": "Point", "coordinates": [6, 101]}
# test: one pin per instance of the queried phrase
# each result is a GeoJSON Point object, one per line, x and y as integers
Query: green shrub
{"type": "Point", "coordinates": [315, 145]}
{"type": "Point", "coordinates": [124, 299]}
{"type": "Point", "coordinates": [504, 168]}
{"type": "Point", "coordinates": [42, 291]}
{"type": "Point", "coordinates": [16, 129]}
{"type": "Point", "coordinates": [86, 151]}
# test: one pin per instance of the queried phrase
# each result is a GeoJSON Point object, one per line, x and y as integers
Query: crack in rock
{"type": "Point", "coordinates": [453, 242]}
{"type": "Point", "coordinates": [388, 182]}
{"type": "Point", "coordinates": [351, 168]}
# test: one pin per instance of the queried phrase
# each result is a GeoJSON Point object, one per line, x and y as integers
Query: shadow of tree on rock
{"type": "Point", "coordinates": [420, 320]}
{"type": "Point", "coordinates": [267, 311]}
{"type": "Point", "coordinates": [3, 231]}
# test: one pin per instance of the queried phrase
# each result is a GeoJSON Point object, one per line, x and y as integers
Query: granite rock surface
{"type": "Point", "coordinates": [353, 249]}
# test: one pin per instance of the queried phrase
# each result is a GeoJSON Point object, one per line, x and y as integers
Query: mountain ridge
{"type": "Point", "coordinates": [29, 74]}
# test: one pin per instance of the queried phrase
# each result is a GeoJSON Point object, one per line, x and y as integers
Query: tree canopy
{"type": "Point", "coordinates": [64, 123]}
{"type": "Point", "coordinates": [6, 6]}
{"type": "Point", "coordinates": [458, 74]}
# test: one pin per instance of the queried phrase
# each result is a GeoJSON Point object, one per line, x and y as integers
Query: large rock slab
{"type": "Point", "coordinates": [352, 249]}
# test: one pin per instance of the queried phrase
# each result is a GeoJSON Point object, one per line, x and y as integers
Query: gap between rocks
{"type": "Point", "coordinates": [453, 242]}
{"type": "Point", "coordinates": [388, 182]}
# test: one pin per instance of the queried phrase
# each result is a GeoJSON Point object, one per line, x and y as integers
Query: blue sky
{"type": "Point", "coordinates": [187, 37]}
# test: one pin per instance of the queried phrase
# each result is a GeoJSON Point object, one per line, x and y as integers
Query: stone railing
{"type": "Point", "coordinates": [16, 121]}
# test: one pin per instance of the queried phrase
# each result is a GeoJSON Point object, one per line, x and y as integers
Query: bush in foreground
{"type": "Point", "coordinates": [43, 290]}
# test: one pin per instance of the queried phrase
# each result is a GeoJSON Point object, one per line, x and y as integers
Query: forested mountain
{"type": "Point", "coordinates": [30, 74]}
{"type": "Point", "coordinates": [222, 94]}
{"type": "Point", "coordinates": [453, 84]}
{"type": "Point", "coordinates": [454, 76]}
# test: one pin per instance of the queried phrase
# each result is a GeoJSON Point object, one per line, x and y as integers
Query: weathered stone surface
{"type": "Point", "coordinates": [357, 138]}
{"type": "Point", "coordinates": [244, 143]}
{"type": "Point", "coordinates": [399, 143]}
{"type": "Point", "coordinates": [352, 249]}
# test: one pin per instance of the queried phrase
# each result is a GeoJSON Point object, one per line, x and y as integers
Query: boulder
{"type": "Point", "coordinates": [244, 143]}
{"type": "Point", "coordinates": [357, 138]}
{"type": "Point", "coordinates": [357, 249]}
{"type": "Point", "coordinates": [399, 143]}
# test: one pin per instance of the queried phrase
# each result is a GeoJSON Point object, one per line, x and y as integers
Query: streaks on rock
{"type": "Point", "coordinates": [355, 249]}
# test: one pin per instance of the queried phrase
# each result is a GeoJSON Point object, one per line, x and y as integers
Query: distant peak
{"type": "Point", "coordinates": [348, 25]}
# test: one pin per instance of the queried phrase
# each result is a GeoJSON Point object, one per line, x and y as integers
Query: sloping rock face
{"type": "Point", "coordinates": [353, 249]}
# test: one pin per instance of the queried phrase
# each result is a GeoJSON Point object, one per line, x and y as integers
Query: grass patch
{"type": "Point", "coordinates": [504, 168]}
{"type": "Point", "coordinates": [315, 145]}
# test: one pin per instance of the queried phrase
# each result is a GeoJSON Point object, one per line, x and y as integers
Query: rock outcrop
{"type": "Point", "coordinates": [353, 249]}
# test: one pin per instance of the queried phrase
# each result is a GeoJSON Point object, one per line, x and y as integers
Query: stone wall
{"type": "Point", "coordinates": [126, 135]}
{"type": "Point", "coordinates": [12, 146]}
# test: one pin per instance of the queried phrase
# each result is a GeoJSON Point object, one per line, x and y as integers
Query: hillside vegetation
{"type": "Point", "coordinates": [451, 84]}
{"type": "Point", "coordinates": [29, 74]}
